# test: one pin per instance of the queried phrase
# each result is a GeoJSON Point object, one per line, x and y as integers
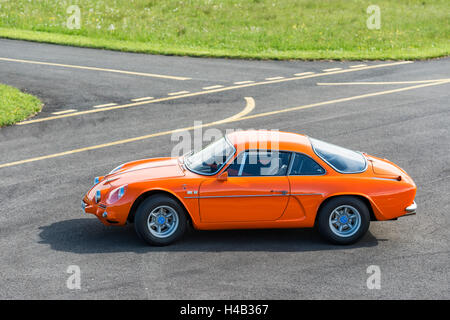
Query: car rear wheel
{"type": "Point", "coordinates": [160, 220]}
{"type": "Point", "coordinates": [343, 220]}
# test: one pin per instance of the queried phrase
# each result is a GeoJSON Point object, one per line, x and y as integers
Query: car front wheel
{"type": "Point", "coordinates": [160, 220]}
{"type": "Point", "coordinates": [343, 220]}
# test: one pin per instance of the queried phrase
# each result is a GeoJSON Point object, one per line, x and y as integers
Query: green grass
{"type": "Point", "coordinates": [259, 29]}
{"type": "Point", "coordinates": [16, 106]}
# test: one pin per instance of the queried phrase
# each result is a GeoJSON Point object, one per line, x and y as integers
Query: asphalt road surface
{"type": "Point", "coordinates": [96, 101]}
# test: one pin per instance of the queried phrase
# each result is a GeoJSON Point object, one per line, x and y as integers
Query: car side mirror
{"type": "Point", "coordinates": [223, 176]}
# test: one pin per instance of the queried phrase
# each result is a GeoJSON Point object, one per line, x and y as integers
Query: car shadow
{"type": "Point", "coordinates": [89, 236]}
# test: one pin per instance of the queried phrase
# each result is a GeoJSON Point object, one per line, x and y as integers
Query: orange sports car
{"type": "Point", "coordinates": [254, 179]}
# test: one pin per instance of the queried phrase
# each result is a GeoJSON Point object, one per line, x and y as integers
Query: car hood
{"type": "Point", "coordinates": [148, 169]}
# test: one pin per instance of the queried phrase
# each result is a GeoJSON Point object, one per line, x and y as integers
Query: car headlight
{"type": "Point", "coordinates": [98, 179]}
{"type": "Point", "coordinates": [117, 194]}
{"type": "Point", "coordinates": [98, 196]}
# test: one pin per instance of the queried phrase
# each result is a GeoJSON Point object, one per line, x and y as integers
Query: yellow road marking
{"type": "Point", "coordinates": [64, 111]}
{"type": "Point", "coordinates": [245, 85]}
{"type": "Point", "coordinates": [332, 69]}
{"type": "Point", "coordinates": [105, 105]}
{"type": "Point", "coordinates": [377, 83]}
{"type": "Point", "coordinates": [358, 66]}
{"type": "Point", "coordinates": [238, 117]}
{"type": "Point", "coordinates": [143, 74]}
{"type": "Point", "coordinates": [303, 73]}
{"type": "Point", "coordinates": [142, 99]}
{"type": "Point", "coordinates": [274, 78]}
{"type": "Point", "coordinates": [265, 114]}
{"type": "Point", "coordinates": [250, 105]}
{"type": "Point", "coordinates": [177, 93]}
{"type": "Point", "coordinates": [212, 87]}
{"type": "Point", "coordinates": [244, 82]}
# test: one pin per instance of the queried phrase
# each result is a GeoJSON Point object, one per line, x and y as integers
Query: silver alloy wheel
{"type": "Point", "coordinates": [162, 221]}
{"type": "Point", "coordinates": [345, 221]}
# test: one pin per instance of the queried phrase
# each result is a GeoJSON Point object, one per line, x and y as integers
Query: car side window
{"type": "Point", "coordinates": [305, 166]}
{"type": "Point", "coordinates": [260, 163]}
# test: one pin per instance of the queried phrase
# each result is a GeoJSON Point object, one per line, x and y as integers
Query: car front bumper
{"type": "Point", "coordinates": [113, 215]}
{"type": "Point", "coordinates": [410, 210]}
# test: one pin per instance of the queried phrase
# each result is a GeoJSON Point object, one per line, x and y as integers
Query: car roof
{"type": "Point", "coordinates": [269, 140]}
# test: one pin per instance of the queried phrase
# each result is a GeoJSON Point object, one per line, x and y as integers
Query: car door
{"type": "Point", "coordinates": [257, 189]}
{"type": "Point", "coordinates": [307, 181]}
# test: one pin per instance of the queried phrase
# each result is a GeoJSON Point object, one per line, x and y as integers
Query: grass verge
{"type": "Point", "coordinates": [16, 106]}
{"type": "Point", "coordinates": [258, 29]}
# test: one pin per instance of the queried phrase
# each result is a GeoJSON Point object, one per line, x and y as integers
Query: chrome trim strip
{"type": "Point", "coordinates": [379, 178]}
{"type": "Point", "coordinates": [291, 162]}
{"type": "Point", "coordinates": [306, 194]}
{"type": "Point", "coordinates": [257, 195]}
{"type": "Point", "coordinates": [240, 196]}
{"type": "Point", "coordinates": [241, 168]}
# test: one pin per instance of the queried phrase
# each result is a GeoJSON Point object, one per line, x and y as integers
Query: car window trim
{"type": "Point", "coordinates": [257, 150]}
{"type": "Point", "coordinates": [304, 175]}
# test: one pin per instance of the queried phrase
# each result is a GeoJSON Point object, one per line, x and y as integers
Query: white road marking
{"type": "Point", "coordinates": [234, 118]}
{"type": "Point", "coordinates": [177, 93]}
{"type": "Point", "coordinates": [143, 74]}
{"type": "Point", "coordinates": [332, 69]}
{"type": "Point", "coordinates": [274, 78]}
{"type": "Point", "coordinates": [105, 105]}
{"type": "Point", "coordinates": [244, 82]}
{"type": "Point", "coordinates": [212, 87]}
{"type": "Point", "coordinates": [358, 66]}
{"type": "Point", "coordinates": [376, 83]}
{"type": "Point", "coordinates": [250, 105]}
{"type": "Point", "coordinates": [303, 73]}
{"type": "Point", "coordinates": [64, 111]}
{"type": "Point", "coordinates": [241, 86]}
{"type": "Point", "coordinates": [142, 99]}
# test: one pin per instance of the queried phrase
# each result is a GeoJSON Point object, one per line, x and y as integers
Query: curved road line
{"type": "Point", "coordinates": [368, 95]}
{"type": "Point", "coordinates": [250, 105]}
{"type": "Point", "coordinates": [242, 114]}
{"type": "Point", "coordinates": [212, 91]}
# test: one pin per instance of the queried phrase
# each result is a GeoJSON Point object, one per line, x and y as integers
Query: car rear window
{"type": "Point", "coordinates": [341, 159]}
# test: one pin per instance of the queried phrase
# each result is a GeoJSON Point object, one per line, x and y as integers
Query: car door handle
{"type": "Point", "coordinates": [279, 191]}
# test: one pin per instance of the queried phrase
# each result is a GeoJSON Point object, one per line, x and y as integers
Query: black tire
{"type": "Point", "coordinates": [143, 215]}
{"type": "Point", "coordinates": [351, 203]}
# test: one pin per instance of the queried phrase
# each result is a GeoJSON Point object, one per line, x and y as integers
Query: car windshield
{"type": "Point", "coordinates": [341, 159]}
{"type": "Point", "coordinates": [211, 159]}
